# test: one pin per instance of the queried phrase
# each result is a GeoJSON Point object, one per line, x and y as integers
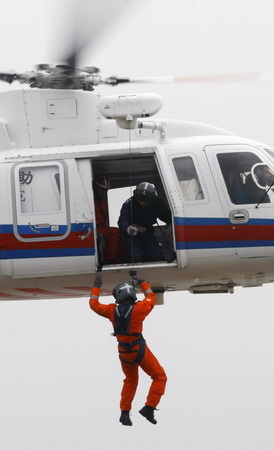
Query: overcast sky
{"type": "Point", "coordinates": [60, 375]}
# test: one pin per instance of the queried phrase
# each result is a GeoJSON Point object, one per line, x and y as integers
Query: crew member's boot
{"type": "Point", "coordinates": [125, 419]}
{"type": "Point", "coordinates": [148, 413]}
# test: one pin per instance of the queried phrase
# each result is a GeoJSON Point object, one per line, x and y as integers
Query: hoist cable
{"type": "Point", "coordinates": [130, 183]}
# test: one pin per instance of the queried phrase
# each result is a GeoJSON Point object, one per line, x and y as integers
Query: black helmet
{"type": "Point", "coordinates": [146, 192]}
{"type": "Point", "coordinates": [124, 291]}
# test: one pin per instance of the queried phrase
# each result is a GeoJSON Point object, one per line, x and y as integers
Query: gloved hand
{"type": "Point", "coordinates": [137, 281]}
{"type": "Point", "coordinates": [132, 231]}
{"type": "Point", "coordinates": [98, 281]}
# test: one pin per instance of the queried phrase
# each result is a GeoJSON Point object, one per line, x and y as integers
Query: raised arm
{"type": "Point", "coordinates": [96, 306]}
{"type": "Point", "coordinates": [150, 298]}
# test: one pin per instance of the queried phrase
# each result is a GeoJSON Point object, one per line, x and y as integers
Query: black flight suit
{"type": "Point", "coordinates": [144, 246]}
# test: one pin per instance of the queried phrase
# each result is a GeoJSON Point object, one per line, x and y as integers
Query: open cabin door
{"type": "Point", "coordinates": [125, 172]}
{"type": "Point", "coordinates": [52, 220]}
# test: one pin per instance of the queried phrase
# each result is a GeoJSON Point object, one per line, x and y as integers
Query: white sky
{"type": "Point", "coordinates": [60, 375]}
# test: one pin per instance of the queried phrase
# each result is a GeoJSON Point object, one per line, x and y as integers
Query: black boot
{"type": "Point", "coordinates": [125, 419]}
{"type": "Point", "coordinates": [148, 413]}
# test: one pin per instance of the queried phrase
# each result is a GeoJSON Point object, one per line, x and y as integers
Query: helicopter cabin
{"type": "Point", "coordinates": [53, 147]}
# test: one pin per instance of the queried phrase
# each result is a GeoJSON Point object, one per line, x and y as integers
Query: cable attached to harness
{"type": "Point", "coordinates": [130, 184]}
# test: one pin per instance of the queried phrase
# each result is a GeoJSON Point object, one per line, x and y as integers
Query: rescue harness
{"type": "Point", "coordinates": [122, 318]}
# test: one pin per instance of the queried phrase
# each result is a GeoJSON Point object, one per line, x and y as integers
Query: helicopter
{"type": "Point", "coordinates": [59, 134]}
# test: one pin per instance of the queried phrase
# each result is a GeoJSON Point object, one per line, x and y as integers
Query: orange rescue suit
{"type": "Point", "coordinates": [149, 362]}
{"type": "Point", "coordinates": [114, 251]}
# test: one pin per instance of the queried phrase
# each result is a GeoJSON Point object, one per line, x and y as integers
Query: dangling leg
{"type": "Point", "coordinates": [129, 387]}
{"type": "Point", "coordinates": [152, 367]}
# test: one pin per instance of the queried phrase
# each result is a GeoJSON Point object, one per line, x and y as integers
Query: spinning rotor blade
{"type": "Point", "coordinates": [248, 77]}
{"type": "Point", "coordinates": [86, 20]}
{"type": "Point", "coordinates": [259, 77]}
{"type": "Point", "coordinates": [8, 77]}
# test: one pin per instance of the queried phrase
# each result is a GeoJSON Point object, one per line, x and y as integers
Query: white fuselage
{"type": "Point", "coordinates": [52, 143]}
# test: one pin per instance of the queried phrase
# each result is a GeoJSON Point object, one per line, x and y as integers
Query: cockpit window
{"type": "Point", "coordinates": [188, 179]}
{"type": "Point", "coordinates": [237, 171]}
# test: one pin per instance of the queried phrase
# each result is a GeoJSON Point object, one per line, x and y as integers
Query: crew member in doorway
{"type": "Point", "coordinates": [127, 316]}
{"type": "Point", "coordinates": [137, 216]}
{"type": "Point", "coordinates": [112, 247]}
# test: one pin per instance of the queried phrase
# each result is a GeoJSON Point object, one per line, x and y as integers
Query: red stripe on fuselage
{"type": "Point", "coordinates": [11, 296]}
{"type": "Point", "coordinates": [207, 233]}
{"type": "Point", "coordinates": [10, 242]}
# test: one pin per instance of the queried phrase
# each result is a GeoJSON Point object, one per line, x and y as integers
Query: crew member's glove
{"type": "Point", "coordinates": [137, 281]}
{"type": "Point", "coordinates": [98, 281]}
{"type": "Point", "coordinates": [132, 231]}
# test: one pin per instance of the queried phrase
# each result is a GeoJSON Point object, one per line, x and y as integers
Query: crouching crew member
{"type": "Point", "coordinates": [137, 216]}
{"type": "Point", "coordinates": [127, 316]}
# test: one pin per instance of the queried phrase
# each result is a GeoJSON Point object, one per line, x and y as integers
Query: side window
{"type": "Point", "coordinates": [236, 169]}
{"type": "Point", "coordinates": [41, 209]}
{"type": "Point", "coordinates": [39, 189]}
{"type": "Point", "coordinates": [188, 178]}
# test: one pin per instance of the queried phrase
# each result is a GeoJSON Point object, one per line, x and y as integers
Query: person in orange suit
{"type": "Point", "coordinates": [127, 316]}
{"type": "Point", "coordinates": [113, 251]}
